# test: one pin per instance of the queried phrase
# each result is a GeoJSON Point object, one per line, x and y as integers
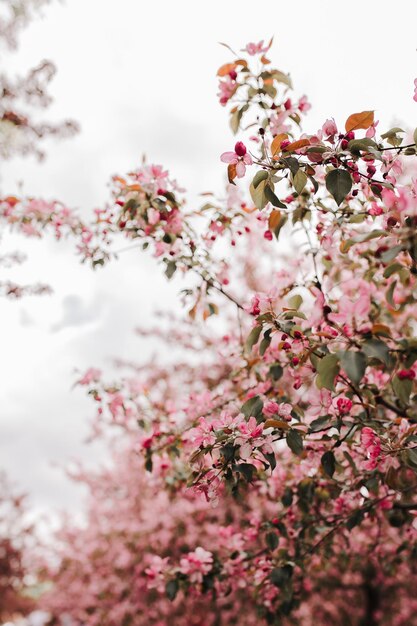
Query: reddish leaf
{"type": "Point", "coordinates": [231, 172]}
{"type": "Point", "coordinates": [364, 120]}
{"type": "Point", "coordinates": [225, 69]}
{"type": "Point", "coordinates": [276, 143]}
{"type": "Point", "coordinates": [297, 145]}
{"type": "Point", "coordinates": [274, 220]}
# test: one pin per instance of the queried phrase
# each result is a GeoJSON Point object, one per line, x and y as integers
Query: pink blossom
{"type": "Point", "coordinates": [329, 128]}
{"type": "Point", "coordinates": [270, 409]}
{"type": "Point", "coordinates": [155, 573]}
{"type": "Point", "coordinates": [239, 157]}
{"type": "Point", "coordinates": [227, 87]}
{"type": "Point", "coordinates": [370, 133]}
{"type": "Point", "coordinates": [415, 90]}
{"type": "Point", "coordinates": [284, 411]}
{"type": "Point", "coordinates": [303, 104]}
{"type": "Point", "coordinates": [92, 375]}
{"type": "Point", "coordinates": [256, 48]}
{"type": "Point", "coordinates": [196, 564]}
{"type": "Point", "coordinates": [344, 405]}
{"type": "Point", "coordinates": [372, 445]}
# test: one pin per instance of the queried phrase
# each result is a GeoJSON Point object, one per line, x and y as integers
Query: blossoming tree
{"type": "Point", "coordinates": [21, 134]}
{"type": "Point", "coordinates": [269, 472]}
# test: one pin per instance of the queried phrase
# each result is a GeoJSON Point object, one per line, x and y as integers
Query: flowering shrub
{"type": "Point", "coordinates": [281, 455]}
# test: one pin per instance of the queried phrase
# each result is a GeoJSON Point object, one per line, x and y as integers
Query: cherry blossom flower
{"type": "Point", "coordinates": [239, 157]}
{"type": "Point", "coordinates": [196, 564]}
{"type": "Point", "coordinates": [256, 48]}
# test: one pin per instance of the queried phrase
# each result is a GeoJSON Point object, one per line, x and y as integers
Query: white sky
{"type": "Point", "coordinates": [140, 78]}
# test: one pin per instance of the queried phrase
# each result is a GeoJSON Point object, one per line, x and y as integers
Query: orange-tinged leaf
{"type": "Point", "coordinates": [276, 424]}
{"type": "Point", "coordinates": [119, 179]}
{"type": "Point", "coordinates": [380, 329]}
{"type": "Point", "coordinates": [242, 62]}
{"type": "Point", "coordinates": [276, 143]}
{"type": "Point", "coordinates": [364, 120]}
{"type": "Point", "coordinates": [344, 246]}
{"type": "Point", "coordinates": [225, 69]}
{"type": "Point", "coordinates": [231, 172]}
{"type": "Point", "coordinates": [134, 187]}
{"type": "Point", "coordinates": [297, 145]}
{"type": "Point", "coordinates": [192, 312]}
{"type": "Point", "coordinates": [264, 60]}
{"type": "Point", "coordinates": [274, 220]}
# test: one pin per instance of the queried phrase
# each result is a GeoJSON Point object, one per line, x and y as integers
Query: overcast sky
{"type": "Point", "coordinates": [140, 78]}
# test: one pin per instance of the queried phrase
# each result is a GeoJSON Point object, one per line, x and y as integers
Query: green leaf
{"type": "Point", "coordinates": [271, 458]}
{"type": "Point", "coordinates": [328, 463]}
{"type": "Point", "coordinates": [265, 342]}
{"type": "Point", "coordinates": [258, 195]}
{"type": "Point", "coordinates": [247, 470]}
{"type": "Point", "coordinates": [327, 369]}
{"type": "Point", "coordinates": [253, 337]}
{"type": "Point", "coordinates": [390, 294]}
{"type": "Point", "coordinates": [356, 145]}
{"type": "Point", "coordinates": [171, 589]}
{"type": "Point", "coordinates": [272, 540]}
{"type": "Point", "coordinates": [295, 301]}
{"type": "Point", "coordinates": [252, 407]}
{"type": "Point", "coordinates": [376, 349]}
{"type": "Point", "coordinates": [355, 519]}
{"type": "Point", "coordinates": [259, 177]}
{"type": "Point", "coordinates": [317, 424]}
{"type": "Point", "coordinates": [389, 255]}
{"type": "Point", "coordinates": [402, 388]}
{"type": "Point", "coordinates": [170, 269]}
{"type": "Point", "coordinates": [272, 198]}
{"type": "Point", "coordinates": [300, 181]}
{"type": "Point", "coordinates": [392, 131]}
{"type": "Point", "coordinates": [294, 441]}
{"type": "Point", "coordinates": [354, 364]}
{"type": "Point", "coordinates": [287, 497]}
{"type": "Point", "coordinates": [373, 234]}
{"type": "Point", "coordinates": [282, 78]}
{"type": "Point", "coordinates": [339, 183]}
{"type": "Point", "coordinates": [276, 371]}
{"type": "Point", "coordinates": [235, 118]}
{"type": "Point", "coordinates": [411, 457]}
{"type": "Point", "coordinates": [280, 576]}
{"type": "Point", "coordinates": [392, 269]}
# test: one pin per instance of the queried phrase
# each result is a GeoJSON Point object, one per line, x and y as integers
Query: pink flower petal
{"type": "Point", "coordinates": [229, 157]}
{"type": "Point", "coordinates": [240, 169]}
